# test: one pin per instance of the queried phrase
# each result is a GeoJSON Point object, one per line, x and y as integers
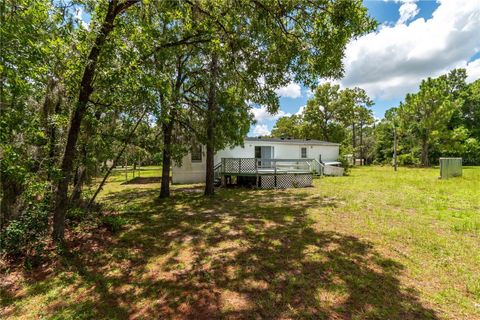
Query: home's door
{"type": "Point", "coordinates": [264, 152]}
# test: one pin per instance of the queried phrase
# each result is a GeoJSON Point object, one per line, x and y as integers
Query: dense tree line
{"type": "Point", "coordinates": [142, 78]}
{"type": "Point", "coordinates": [334, 115]}
{"type": "Point", "coordinates": [441, 119]}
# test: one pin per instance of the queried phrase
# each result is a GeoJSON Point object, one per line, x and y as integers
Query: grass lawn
{"type": "Point", "coordinates": [373, 245]}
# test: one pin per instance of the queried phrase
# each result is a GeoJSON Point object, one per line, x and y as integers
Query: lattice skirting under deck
{"type": "Point", "coordinates": [285, 181]}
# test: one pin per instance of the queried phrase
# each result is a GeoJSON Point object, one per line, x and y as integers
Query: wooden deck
{"type": "Point", "coordinates": [268, 173]}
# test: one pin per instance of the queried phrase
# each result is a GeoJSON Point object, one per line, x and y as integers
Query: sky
{"type": "Point", "coordinates": [415, 39]}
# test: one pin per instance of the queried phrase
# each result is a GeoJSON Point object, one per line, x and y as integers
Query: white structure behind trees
{"type": "Point", "coordinates": [193, 165]}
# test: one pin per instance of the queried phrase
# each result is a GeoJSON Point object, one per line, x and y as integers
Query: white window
{"type": "Point", "coordinates": [303, 152]}
{"type": "Point", "coordinates": [196, 153]}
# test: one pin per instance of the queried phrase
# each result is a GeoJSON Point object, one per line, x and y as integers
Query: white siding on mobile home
{"type": "Point", "coordinates": [194, 172]}
{"type": "Point", "coordinates": [190, 171]}
{"type": "Point", "coordinates": [281, 151]}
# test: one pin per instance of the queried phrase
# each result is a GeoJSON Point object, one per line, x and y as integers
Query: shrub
{"type": "Point", "coordinates": [113, 223]}
{"type": "Point", "coordinates": [24, 234]}
{"type": "Point", "coordinates": [35, 257]}
{"type": "Point", "coordinates": [408, 159]}
{"type": "Point", "coordinates": [344, 161]}
{"type": "Point", "coordinates": [157, 158]}
{"type": "Point", "coordinates": [77, 215]}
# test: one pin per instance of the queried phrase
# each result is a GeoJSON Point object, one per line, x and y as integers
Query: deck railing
{"type": "Point", "coordinates": [217, 171]}
{"type": "Point", "coordinates": [255, 166]}
{"type": "Point", "coordinates": [317, 167]}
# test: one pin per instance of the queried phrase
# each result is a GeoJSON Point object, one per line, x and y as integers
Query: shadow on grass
{"type": "Point", "coordinates": [241, 254]}
{"type": "Point", "coordinates": [143, 180]}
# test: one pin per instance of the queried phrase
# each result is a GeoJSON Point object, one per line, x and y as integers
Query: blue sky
{"type": "Point", "coordinates": [416, 39]}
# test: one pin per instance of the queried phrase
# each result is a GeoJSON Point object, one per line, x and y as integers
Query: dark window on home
{"type": "Point", "coordinates": [258, 152]}
{"type": "Point", "coordinates": [196, 153]}
{"type": "Point", "coordinates": [303, 152]}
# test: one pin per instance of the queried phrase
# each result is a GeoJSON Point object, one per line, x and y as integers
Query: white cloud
{"type": "Point", "coordinates": [309, 93]}
{"type": "Point", "coordinates": [78, 16]}
{"type": "Point", "coordinates": [392, 61]}
{"type": "Point", "coordinates": [261, 114]}
{"type": "Point", "coordinates": [408, 10]}
{"type": "Point", "coordinates": [261, 130]}
{"type": "Point", "coordinates": [300, 111]}
{"type": "Point", "coordinates": [473, 70]}
{"type": "Point", "coordinates": [292, 90]}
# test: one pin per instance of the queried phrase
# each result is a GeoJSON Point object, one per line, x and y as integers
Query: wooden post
{"type": "Point", "coordinates": [126, 170]}
{"type": "Point", "coordinates": [239, 165]}
{"type": "Point", "coordinates": [222, 173]}
{"type": "Point", "coordinates": [275, 173]}
{"type": "Point", "coordinates": [256, 172]}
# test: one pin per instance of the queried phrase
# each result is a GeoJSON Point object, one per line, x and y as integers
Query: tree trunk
{"type": "Point", "coordinates": [78, 187]}
{"type": "Point", "coordinates": [51, 106]}
{"type": "Point", "coordinates": [425, 148]}
{"type": "Point", "coordinates": [52, 151]}
{"type": "Point", "coordinates": [171, 115]}
{"type": "Point", "coordinates": [394, 148]}
{"type": "Point", "coordinates": [362, 156]}
{"type": "Point", "coordinates": [79, 177]}
{"type": "Point", "coordinates": [117, 158]}
{"type": "Point", "coordinates": [325, 131]}
{"type": "Point", "coordinates": [167, 158]}
{"type": "Point", "coordinates": [86, 89]}
{"type": "Point", "coordinates": [11, 190]}
{"type": "Point", "coordinates": [354, 141]}
{"type": "Point", "coordinates": [211, 113]}
{"type": "Point", "coordinates": [126, 169]}
{"type": "Point", "coordinates": [210, 176]}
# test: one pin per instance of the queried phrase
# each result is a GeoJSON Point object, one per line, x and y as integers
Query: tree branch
{"type": "Point", "coordinates": [114, 164]}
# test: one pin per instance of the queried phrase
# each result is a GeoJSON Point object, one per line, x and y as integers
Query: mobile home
{"type": "Point", "coordinates": [259, 156]}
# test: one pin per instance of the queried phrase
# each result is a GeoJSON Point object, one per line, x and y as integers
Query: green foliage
{"type": "Point", "coordinates": [334, 115]}
{"type": "Point", "coordinates": [157, 158]}
{"type": "Point", "coordinates": [470, 110]}
{"type": "Point", "coordinates": [23, 236]}
{"type": "Point", "coordinates": [426, 114]}
{"type": "Point", "coordinates": [113, 223]}
{"type": "Point", "coordinates": [383, 149]}
{"type": "Point", "coordinates": [408, 159]}
{"type": "Point", "coordinates": [76, 215]}
{"type": "Point", "coordinates": [289, 127]}
{"type": "Point", "coordinates": [471, 151]}
{"type": "Point", "coordinates": [345, 164]}
{"type": "Point", "coordinates": [440, 120]}
{"type": "Point", "coordinates": [62, 81]}
{"type": "Point", "coordinates": [323, 114]}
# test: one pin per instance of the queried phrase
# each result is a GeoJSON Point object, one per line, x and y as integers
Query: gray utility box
{"type": "Point", "coordinates": [450, 167]}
